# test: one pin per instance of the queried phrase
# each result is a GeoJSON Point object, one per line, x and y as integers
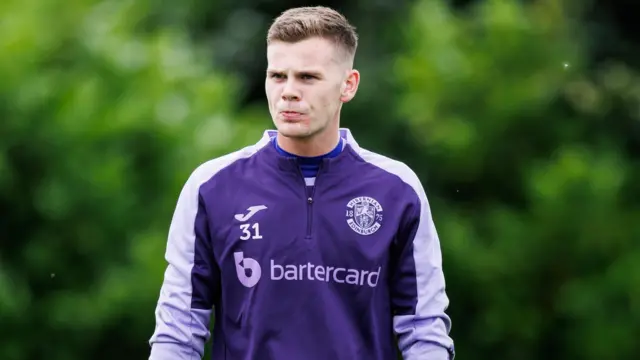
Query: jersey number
{"type": "Point", "coordinates": [250, 231]}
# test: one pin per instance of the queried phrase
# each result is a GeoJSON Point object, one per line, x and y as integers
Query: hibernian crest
{"type": "Point", "coordinates": [364, 215]}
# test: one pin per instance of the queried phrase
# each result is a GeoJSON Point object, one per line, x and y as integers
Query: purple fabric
{"type": "Point", "coordinates": [329, 271]}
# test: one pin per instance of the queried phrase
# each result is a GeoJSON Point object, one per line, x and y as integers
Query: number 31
{"type": "Point", "coordinates": [250, 231]}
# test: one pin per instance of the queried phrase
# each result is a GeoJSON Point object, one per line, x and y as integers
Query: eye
{"type": "Point", "coordinates": [277, 76]}
{"type": "Point", "coordinates": [307, 77]}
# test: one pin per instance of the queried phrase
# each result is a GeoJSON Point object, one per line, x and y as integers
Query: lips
{"type": "Point", "coordinates": [291, 115]}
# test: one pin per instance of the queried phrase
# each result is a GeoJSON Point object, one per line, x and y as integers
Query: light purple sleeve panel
{"type": "Point", "coordinates": [191, 279]}
{"type": "Point", "coordinates": [418, 293]}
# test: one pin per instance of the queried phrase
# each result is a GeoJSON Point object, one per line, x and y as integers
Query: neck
{"type": "Point", "coordinates": [318, 145]}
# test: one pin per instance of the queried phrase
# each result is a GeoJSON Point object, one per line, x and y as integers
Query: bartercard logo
{"type": "Point", "coordinates": [313, 272]}
{"type": "Point", "coordinates": [248, 270]}
{"type": "Point", "coordinates": [249, 273]}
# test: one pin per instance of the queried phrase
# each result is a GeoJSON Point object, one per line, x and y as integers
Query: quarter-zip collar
{"type": "Point", "coordinates": [291, 164]}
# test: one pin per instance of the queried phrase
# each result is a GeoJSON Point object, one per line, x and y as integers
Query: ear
{"type": "Point", "coordinates": [350, 85]}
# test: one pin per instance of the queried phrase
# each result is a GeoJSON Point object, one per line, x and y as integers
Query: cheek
{"type": "Point", "coordinates": [330, 98]}
{"type": "Point", "coordinates": [272, 93]}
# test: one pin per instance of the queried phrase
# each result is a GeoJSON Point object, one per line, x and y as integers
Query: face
{"type": "Point", "coordinates": [307, 83]}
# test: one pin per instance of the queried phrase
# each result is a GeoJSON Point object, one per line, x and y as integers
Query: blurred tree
{"type": "Point", "coordinates": [531, 179]}
{"type": "Point", "coordinates": [101, 125]}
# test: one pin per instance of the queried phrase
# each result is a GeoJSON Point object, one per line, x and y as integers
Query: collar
{"type": "Point", "coordinates": [308, 160]}
{"type": "Point", "coordinates": [351, 148]}
{"type": "Point", "coordinates": [345, 133]}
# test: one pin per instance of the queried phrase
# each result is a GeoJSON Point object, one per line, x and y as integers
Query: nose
{"type": "Point", "coordinates": [290, 92]}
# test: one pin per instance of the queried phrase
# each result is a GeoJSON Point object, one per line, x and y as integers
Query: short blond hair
{"type": "Point", "coordinates": [302, 23]}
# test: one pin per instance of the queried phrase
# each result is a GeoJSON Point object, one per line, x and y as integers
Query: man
{"type": "Point", "coordinates": [305, 245]}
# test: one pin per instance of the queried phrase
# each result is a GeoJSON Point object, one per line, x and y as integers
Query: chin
{"type": "Point", "coordinates": [294, 130]}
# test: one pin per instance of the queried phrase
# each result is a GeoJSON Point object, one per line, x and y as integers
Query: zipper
{"type": "Point", "coordinates": [309, 194]}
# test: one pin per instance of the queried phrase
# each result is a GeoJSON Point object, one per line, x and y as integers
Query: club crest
{"type": "Point", "coordinates": [364, 215]}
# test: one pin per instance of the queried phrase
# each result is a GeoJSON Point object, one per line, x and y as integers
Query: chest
{"type": "Point", "coordinates": [338, 223]}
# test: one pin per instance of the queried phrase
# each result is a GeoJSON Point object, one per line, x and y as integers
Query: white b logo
{"type": "Point", "coordinates": [364, 215]}
{"type": "Point", "coordinates": [243, 265]}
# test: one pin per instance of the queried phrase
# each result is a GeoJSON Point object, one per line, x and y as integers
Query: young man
{"type": "Point", "coordinates": [305, 245]}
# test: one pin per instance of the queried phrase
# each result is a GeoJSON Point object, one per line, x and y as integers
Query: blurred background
{"type": "Point", "coordinates": [522, 118]}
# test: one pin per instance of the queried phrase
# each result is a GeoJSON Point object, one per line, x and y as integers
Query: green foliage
{"type": "Point", "coordinates": [538, 237]}
{"type": "Point", "coordinates": [101, 125]}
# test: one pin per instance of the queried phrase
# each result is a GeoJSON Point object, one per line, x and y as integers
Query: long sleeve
{"type": "Point", "coordinates": [190, 283]}
{"type": "Point", "coordinates": [418, 294]}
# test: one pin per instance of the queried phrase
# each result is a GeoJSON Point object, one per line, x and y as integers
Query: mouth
{"type": "Point", "coordinates": [291, 115]}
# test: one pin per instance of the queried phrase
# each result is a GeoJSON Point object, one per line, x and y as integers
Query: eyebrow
{"type": "Point", "coordinates": [311, 72]}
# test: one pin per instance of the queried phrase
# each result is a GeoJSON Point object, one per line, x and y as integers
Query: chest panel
{"type": "Point", "coordinates": [346, 226]}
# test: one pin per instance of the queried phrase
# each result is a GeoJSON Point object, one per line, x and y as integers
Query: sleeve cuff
{"type": "Point", "coordinates": [429, 352]}
{"type": "Point", "coordinates": [167, 351]}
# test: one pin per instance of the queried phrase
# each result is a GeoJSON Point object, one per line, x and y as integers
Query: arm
{"type": "Point", "coordinates": [190, 283]}
{"type": "Point", "coordinates": [418, 292]}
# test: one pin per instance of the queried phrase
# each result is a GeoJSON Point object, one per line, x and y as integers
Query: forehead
{"type": "Point", "coordinates": [308, 53]}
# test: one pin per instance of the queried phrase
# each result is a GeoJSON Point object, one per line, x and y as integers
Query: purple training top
{"type": "Point", "coordinates": [294, 268]}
